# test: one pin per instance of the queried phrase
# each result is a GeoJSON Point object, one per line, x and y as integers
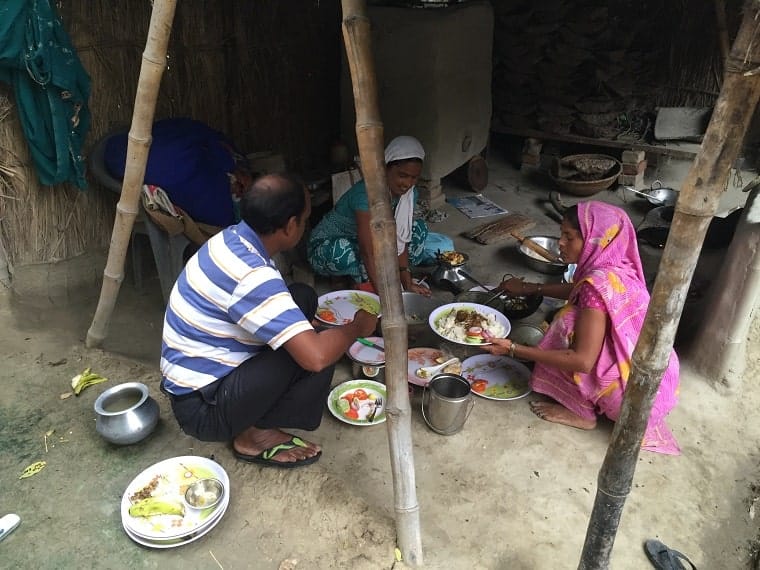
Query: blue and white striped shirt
{"type": "Point", "coordinates": [228, 304]}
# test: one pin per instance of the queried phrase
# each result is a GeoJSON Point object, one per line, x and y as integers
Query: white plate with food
{"type": "Point", "coordinates": [496, 377]}
{"type": "Point", "coordinates": [339, 307]}
{"type": "Point", "coordinates": [422, 357]}
{"type": "Point", "coordinates": [153, 506]}
{"type": "Point", "coordinates": [468, 323]}
{"type": "Point", "coordinates": [358, 402]}
{"type": "Point", "coordinates": [363, 354]}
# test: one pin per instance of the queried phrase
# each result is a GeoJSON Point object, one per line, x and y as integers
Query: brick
{"type": "Point", "coordinates": [634, 169]}
{"type": "Point", "coordinates": [633, 156]}
{"type": "Point", "coordinates": [637, 180]}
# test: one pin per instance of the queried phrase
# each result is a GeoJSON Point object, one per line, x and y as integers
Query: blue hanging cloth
{"type": "Point", "coordinates": [51, 87]}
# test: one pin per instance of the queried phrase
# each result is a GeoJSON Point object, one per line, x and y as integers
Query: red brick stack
{"type": "Point", "coordinates": [634, 165]}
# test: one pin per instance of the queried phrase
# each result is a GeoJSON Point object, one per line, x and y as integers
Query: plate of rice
{"type": "Point", "coordinates": [468, 323]}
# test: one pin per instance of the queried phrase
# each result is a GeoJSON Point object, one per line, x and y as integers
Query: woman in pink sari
{"type": "Point", "coordinates": [584, 360]}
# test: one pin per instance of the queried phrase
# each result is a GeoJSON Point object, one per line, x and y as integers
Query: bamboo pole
{"type": "Point", "coordinates": [369, 134]}
{"type": "Point", "coordinates": [696, 206]}
{"type": "Point", "coordinates": [151, 71]}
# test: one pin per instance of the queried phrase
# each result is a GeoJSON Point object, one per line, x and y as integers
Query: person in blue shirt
{"type": "Point", "coordinates": [240, 358]}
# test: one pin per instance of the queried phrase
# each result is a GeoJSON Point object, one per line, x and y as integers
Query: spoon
{"type": "Point", "coordinates": [430, 371]}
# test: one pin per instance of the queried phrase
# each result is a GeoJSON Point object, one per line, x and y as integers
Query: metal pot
{"type": "Point", "coordinates": [449, 275]}
{"type": "Point", "coordinates": [126, 413]}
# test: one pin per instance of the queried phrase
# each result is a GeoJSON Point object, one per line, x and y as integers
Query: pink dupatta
{"type": "Point", "coordinates": [609, 263]}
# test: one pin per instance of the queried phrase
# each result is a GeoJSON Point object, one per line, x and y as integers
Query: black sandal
{"type": "Point", "coordinates": [664, 558]}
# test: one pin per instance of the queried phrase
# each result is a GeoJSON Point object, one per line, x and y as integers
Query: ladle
{"type": "Point", "coordinates": [466, 275]}
{"type": "Point", "coordinates": [646, 195]}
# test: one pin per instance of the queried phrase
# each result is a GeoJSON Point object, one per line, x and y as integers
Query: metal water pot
{"type": "Point", "coordinates": [126, 413]}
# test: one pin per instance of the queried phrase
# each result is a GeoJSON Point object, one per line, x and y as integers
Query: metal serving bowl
{"type": "Point", "coordinates": [204, 493]}
{"type": "Point", "coordinates": [536, 262]}
{"type": "Point", "coordinates": [526, 334]}
{"type": "Point", "coordinates": [417, 308]}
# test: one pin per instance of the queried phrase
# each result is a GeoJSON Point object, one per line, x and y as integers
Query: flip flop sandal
{"type": "Point", "coordinates": [267, 457]}
{"type": "Point", "coordinates": [664, 558]}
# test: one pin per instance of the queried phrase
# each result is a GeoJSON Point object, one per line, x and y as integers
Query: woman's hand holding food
{"type": "Point", "coordinates": [498, 346]}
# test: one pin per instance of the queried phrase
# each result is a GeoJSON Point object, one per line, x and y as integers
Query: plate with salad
{"type": "Point", "coordinates": [496, 377]}
{"type": "Point", "coordinates": [358, 402]}
{"type": "Point", "coordinates": [339, 307]}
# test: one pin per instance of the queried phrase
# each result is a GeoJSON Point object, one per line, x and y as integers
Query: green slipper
{"type": "Point", "coordinates": [266, 457]}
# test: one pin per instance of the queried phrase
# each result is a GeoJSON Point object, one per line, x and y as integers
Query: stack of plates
{"type": "Point", "coordinates": [168, 480]}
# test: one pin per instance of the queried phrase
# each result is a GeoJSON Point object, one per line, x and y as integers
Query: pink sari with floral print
{"type": "Point", "coordinates": [611, 266]}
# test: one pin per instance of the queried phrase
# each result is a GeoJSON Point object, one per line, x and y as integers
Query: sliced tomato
{"type": "Point", "coordinates": [479, 385]}
{"type": "Point", "coordinates": [348, 396]}
{"type": "Point", "coordinates": [361, 394]}
{"type": "Point", "coordinates": [326, 315]}
{"type": "Point", "coordinates": [352, 413]}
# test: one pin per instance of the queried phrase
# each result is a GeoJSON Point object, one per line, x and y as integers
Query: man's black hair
{"type": "Point", "coordinates": [271, 201]}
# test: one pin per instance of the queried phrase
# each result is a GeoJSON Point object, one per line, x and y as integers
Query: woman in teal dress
{"type": "Point", "coordinates": [341, 244]}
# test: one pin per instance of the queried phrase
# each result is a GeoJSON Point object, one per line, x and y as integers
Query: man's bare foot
{"type": "Point", "coordinates": [254, 441]}
{"type": "Point", "coordinates": [559, 414]}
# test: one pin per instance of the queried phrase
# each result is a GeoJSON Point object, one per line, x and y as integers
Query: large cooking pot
{"type": "Point", "coordinates": [538, 263]}
{"type": "Point", "coordinates": [513, 308]}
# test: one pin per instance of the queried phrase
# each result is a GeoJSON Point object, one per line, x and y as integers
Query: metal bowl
{"type": "Point", "coordinates": [536, 262]}
{"type": "Point", "coordinates": [417, 308]}
{"type": "Point", "coordinates": [204, 493]}
{"type": "Point", "coordinates": [526, 334]}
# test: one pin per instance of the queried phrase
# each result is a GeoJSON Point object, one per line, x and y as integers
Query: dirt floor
{"type": "Point", "coordinates": [507, 492]}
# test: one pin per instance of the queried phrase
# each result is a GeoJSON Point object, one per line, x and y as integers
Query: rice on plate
{"type": "Point", "coordinates": [465, 323]}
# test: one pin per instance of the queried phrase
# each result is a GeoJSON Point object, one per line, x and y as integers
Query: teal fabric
{"type": "Point", "coordinates": [334, 244]}
{"type": "Point", "coordinates": [340, 222]}
{"type": "Point", "coordinates": [340, 256]}
{"type": "Point", "coordinates": [51, 87]}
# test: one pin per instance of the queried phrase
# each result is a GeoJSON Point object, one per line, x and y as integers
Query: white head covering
{"type": "Point", "coordinates": [403, 148]}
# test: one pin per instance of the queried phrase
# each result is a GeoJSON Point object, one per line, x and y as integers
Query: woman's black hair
{"type": "Point", "coordinates": [571, 217]}
{"type": "Point", "coordinates": [271, 201]}
{"type": "Point", "coordinates": [403, 161]}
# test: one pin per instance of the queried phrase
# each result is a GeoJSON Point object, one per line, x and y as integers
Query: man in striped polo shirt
{"type": "Point", "coordinates": [240, 359]}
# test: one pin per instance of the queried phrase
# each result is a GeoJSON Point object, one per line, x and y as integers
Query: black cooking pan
{"type": "Point", "coordinates": [514, 308]}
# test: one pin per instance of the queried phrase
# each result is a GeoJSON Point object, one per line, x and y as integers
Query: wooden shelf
{"type": "Point", "coordinates": [685, 150]}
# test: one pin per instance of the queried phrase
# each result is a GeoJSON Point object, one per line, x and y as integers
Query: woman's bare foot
{"type": "Point", "coordinates": [559, 414]}
{"type": "Point", "coordinates": [254, 441]}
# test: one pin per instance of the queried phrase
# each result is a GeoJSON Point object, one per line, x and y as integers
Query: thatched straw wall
{"type": "Point", "coordinates": [265, 72]}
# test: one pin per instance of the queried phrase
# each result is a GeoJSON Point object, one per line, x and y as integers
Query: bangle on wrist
{"type": "Point", "coordinates": [404, 268]}
{"type": "Point", "coordinates": [512, 350]}
{"type": "Point", "coordinates": [539, 288]}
